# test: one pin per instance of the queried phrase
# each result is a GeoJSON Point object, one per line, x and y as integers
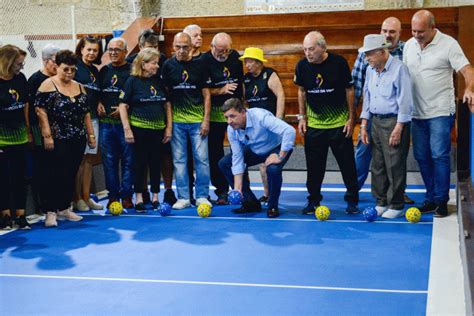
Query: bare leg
{"type": "Point", "coordinates": [86, 177]}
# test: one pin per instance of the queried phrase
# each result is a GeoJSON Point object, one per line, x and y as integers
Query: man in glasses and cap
{"type": "Point", "coordinates": [388, 103]}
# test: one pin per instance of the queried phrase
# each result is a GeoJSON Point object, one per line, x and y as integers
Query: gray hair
{"type": "Point", "coordinates": [49, 51]}
{"type": "Point", "coordinates": [119, 39]}
{"type": "Point", "coordinates": [191, 27]}
{"type": "Point", "coordinates": [221, 36]}
{"type": "Point", "coordinates": [318, 38]}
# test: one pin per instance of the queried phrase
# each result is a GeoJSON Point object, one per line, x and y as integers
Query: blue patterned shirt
{"type": "Point", "coordinates": [360, 67]}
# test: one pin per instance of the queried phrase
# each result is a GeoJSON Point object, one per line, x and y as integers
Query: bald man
{"type": "Point", "coordinates": [186, 79]}
{"type": "Point", "coordinates": [432, 57]}
{"type": "Point", "coordinates": [326, 118]}
{"type": "Point", "coordinates": [194, 31]}
{"type": "Point", "coordinates": [226, 81]}
{"type": "Point", "coordinates": [391, 28]}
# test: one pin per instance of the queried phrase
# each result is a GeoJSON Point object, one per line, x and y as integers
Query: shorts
{"type": "Point", "coordinates": [93, 151]}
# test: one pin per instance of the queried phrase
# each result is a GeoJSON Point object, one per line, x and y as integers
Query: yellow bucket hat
{"type": "Point", "coordinates": [253, 52]}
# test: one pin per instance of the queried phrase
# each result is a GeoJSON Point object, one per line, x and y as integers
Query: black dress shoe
{"type": "Point", "coordinates": [441, 210]}
{"type": "Point", "coordinates": [248, 207]}
{"type": "Point", "coordinates": [407, 199]}
{"type": "Point", "coordinates": [428, 207]}
{"type": "Point", "coordinates": [273, 212]}
{"type": "Point", "coordinates": [155, 204]}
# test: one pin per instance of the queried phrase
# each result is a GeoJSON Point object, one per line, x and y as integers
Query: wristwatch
{"type": "Point", "coordinates": [300, 116]}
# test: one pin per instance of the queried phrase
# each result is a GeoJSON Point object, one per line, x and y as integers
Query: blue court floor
{"type": "Point", "coordinates": [145, 264]}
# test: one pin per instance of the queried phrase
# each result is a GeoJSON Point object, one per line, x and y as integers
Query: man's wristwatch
{"type": "Point", "coordinates": [300, 116]}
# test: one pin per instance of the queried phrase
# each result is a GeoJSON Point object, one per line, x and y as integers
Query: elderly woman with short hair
{"type": "Point", "coordinates": [64, 117]}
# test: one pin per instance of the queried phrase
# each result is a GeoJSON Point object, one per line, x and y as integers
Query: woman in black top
{"type": "Point", "coordinates": [147, 122]}
{"type": "Point", "coordinates": [63, 113]}
{"type": "Point", "coordinates": [262, 89]}
{"type": "Point", "coordinates": [89, 52]}
{"type": "Point", "coordinates": [14, 134]}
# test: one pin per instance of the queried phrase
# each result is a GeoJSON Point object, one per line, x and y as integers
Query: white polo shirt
{"type": "Point", "coordinates": [431, 71]}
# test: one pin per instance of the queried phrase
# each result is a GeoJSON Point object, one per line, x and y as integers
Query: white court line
{"type": "Point", "coordinates": [280, 286]}
{"type": "Point", "coordinates": [267, 219]}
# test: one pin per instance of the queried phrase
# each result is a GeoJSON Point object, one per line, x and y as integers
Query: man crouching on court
{"type": "Point", "coordinates": [255, 136]}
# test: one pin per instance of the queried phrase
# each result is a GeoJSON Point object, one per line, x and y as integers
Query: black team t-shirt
{"type": "Point", "coordinates": [220, 74]}
{"type": "Point", "coordinates": [13, 99]}
{"type": "Point", "coordinates": [89, 77]}
{"type": "Point", "coordinates": [146, 98]}
{"type": "Point", "coordinates": [112, 83]}
{"type": "Point", "coordinates": [185, 81]}
{"type": "Point", "coordinates": [325, 85]}
{"type": "Point", "coordinates": [34, 82]}
{"type": "Point", "coordinates": [257, 92]}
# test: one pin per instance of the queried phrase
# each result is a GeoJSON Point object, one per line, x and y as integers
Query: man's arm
{"type": "Point", "coordinates": [349, 127]}
{"type": "Point", "coordinates": [468, 97]}
{"type": "Point", "coordinates": [207, 111]}
{"type": "Point", "coordinates": [358, 75]}
{"type": "Point", "coordinates": [302, 124]}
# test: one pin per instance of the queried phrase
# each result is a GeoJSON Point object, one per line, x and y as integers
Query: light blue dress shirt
{"type": "Point", "coordinates": [263, 133]}
{"type": "Point", "coordinates": [388, 92]}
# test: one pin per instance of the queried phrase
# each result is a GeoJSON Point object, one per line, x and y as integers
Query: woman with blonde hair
{"type": "Point", "coordinates": [146, 118]}
{"type": "Point", "coordinates": [14, 134]}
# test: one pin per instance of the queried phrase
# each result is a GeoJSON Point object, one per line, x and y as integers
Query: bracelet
{"type": "Point", "coordinates": [47, 136]}
{"type": "Point", "coordinates": [300, 116]}
{"type": "Point", "coordinates": [92, 136]}
{"type": "Point", "coordinates": [363, 126]}
{"type": "Point", "coordinates": [281, 158]}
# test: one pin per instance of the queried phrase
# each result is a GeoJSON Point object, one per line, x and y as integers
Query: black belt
{"type": "Point", "coordinates": [384, 116]}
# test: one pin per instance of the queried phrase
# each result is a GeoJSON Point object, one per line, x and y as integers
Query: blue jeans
{"type": "Point", "coordinates": [113, 150]}
{"type": "Point", "coordinates": [182, 132]}
{"type": "Point", "coordinates": [432, 148]}
{"type": "Point", "coordinates": [363, 156]}
{"type": "Point", "coordinates": [274, 175]}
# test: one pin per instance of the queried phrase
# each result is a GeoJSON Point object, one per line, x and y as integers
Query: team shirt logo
{"type": "Point", "coordinates": [319, 80]}
{"type": "Point", "coordinates": [113, 80]}
{"type": "Point", "coordinates": [226, 72]}
{"type": "Point", "coordinates": [153, 91]}
{"type": "Point", "coordinates": [184, 76]}
{"type": "Point", "coordinates": [14, 94]}
{"type": "Point", "coordinates": [255, 90]}
{"type": "Point", "coordinates": [91, 75]}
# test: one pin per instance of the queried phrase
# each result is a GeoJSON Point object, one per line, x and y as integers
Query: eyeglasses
{"type": "Point", "coordinates": [69, 69]}
{"type": "Point", "coordinates": [221, 51]}
{"type": "Point", "coordinates": [115, 50]}
{"type": "Point", "coordinates": [20, 65]}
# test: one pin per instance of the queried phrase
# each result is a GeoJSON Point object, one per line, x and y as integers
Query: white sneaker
{"type": "Point", "coordinates": [50, 220]}
{"type": "Point", "coordinates": [94, 205]}
{"type": "Point", "coordinates": [82, 206]}
{"type": "Point", "coordinates": [181, 203]}
{"type": "Point", "coordinates": [203, 201]}
{"type": "Point", "coordinates": [380, 210]}
{"type": "Point", "coordinates": [69, 215]}
{"type": "Point", "coordinates": [393, 213]}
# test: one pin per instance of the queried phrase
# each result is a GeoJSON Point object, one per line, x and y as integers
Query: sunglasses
{"type": "Point", "coordinates": [69, 69]}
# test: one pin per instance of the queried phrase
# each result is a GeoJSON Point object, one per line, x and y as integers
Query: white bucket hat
{"type": "Point", "coordinates": [374, 41]}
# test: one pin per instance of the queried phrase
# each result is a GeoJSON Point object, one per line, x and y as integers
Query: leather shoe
{"type": "Point", "coordinates": [407, 199]}
{"type": "Point", "coordinates": [441, 210]}
{"type": "Point", "coordinates": [248, 207]}
{"type": "Point", "coordinates": [273, 212]}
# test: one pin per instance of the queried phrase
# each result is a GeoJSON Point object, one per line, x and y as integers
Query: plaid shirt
{"type": "Point", "coordinates": [360, 67]}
